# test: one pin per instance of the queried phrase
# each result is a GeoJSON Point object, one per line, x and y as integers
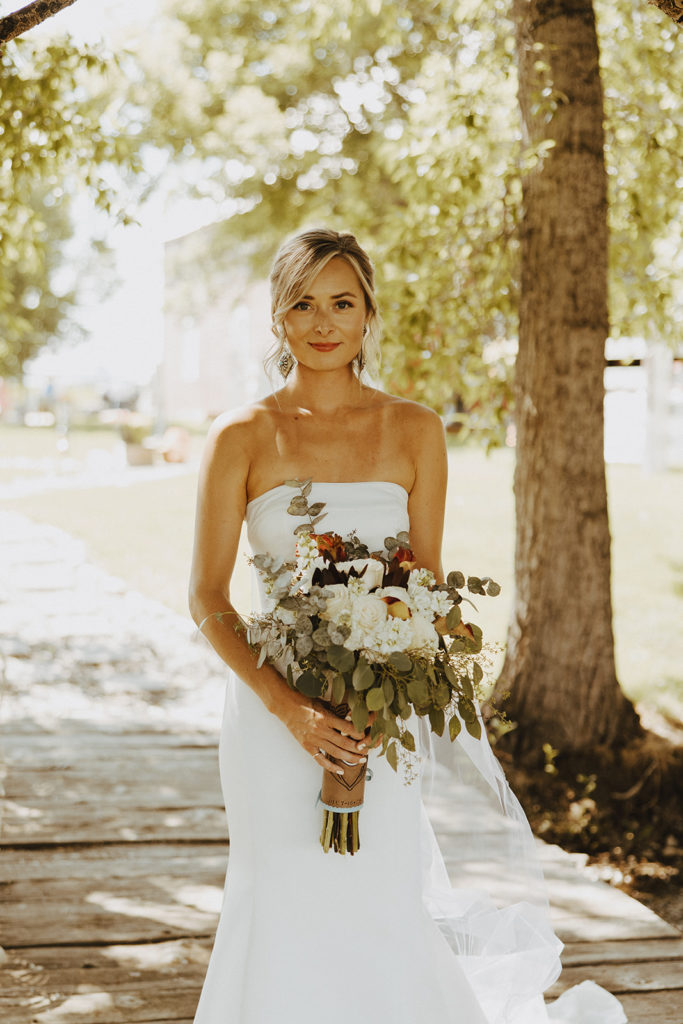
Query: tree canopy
{"type": "Point", "coordinates": [400, 123]}
{"type": "Point", "coordinates": [63, 139]}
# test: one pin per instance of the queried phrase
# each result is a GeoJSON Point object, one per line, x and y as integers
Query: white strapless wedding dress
{"type": "Point", "coordinates": [312, 938]}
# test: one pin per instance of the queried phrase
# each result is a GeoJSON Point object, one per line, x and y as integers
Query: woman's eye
{"type": "Point", "coordinates": [344, 304]}
{"type": "Point", "coordinates": [301, 305]}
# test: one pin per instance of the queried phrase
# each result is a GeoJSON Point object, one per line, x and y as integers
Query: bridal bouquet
{"type": "Point", "coordinates": [374, 636]}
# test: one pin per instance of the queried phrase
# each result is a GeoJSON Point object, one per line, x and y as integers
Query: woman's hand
{"type": "Point", "coordinates": [323, 734]}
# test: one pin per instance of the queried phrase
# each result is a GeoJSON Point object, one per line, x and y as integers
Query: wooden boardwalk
{"type": "Point", "coordinates": [114, 839]}
{"type": "Point", "coordinates": [115, 849]}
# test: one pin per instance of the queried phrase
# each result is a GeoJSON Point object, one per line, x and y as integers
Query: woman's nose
{"type": "Point", "coordinates": [322, 325]}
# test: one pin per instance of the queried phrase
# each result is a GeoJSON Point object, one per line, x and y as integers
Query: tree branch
{"type": "Point", "coordinates": [27, 17]}
{"type": "Point", "coordinates": [674, 8]}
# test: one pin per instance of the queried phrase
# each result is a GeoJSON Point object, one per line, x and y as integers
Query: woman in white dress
{"type": "Point", "coordinates": [306, 936]}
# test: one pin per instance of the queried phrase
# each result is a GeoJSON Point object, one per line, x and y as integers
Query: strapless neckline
{"type": "Point", "coordinates": [329, 483]}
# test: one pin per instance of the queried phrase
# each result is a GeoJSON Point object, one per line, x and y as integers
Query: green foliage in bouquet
{"type": "Point", "coordinates": [417, 654]}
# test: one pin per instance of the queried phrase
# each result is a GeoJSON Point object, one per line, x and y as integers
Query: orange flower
{"type": "Point", "coordinates": [330, 544]}
{"type": "Point", "coordinates": [405, 558]}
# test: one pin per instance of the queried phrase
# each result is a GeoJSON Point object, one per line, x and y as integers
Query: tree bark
{"type": "Point", "coordinates": [27, 17]}
{"type": "Point", "coordinates": [559, 666]}
{"type": "Point", "coordinates": [674, 9]}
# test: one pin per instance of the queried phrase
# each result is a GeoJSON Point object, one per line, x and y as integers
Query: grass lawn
{"type": "Point", "coordinates": [143, 533]}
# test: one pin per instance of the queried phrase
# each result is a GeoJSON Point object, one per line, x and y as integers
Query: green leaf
{"type": "Point", "coordinates": [338, 689]}
{"type": "Point", "coordinates": [454, 617]}
{"type": "Point", "coordinates": [474, 585]}
{"type": "Point", "coordinates": [303, 528]}
{"type": "Point", "coordinates": [388, 688]}
{"type": "Point", "coordinates": [418, 691]}
{"type": "Point", "coordinates": [477, 672]}
{"type": "Point", "coordinates": [363, 676]}
{"type": "Point", "coordinates": [392, 755]}
{"type": "Point", "coordinates": [466, 684]}
{"type": "Point", "coordinates": [374, 698]}
{"type": "Point", "coordinates": [454, 727]}
{"type": "Point", "coordinates": [316, 508]}
{"type": "Point", "coordinates": [493, 589]}
{"type": "Point", "coordinates": [437, 720]}
{"type": "Point", "coordinates": [455, 580]}
{"type": "Point", "coordinates": [293, 483]}
{"type": "Point", "coordinates": [408, 741]}
{"type": "Point", "coordinates": [474, 728]}
{"type": "Point", "coordinates": [359, 716]}
{"type": "Point", "coordinates": [340, 658]}
{"type": "Point", "coordinates": [467, 709]}
{"type": "Point", "coordinates": [400, 661]}
{"type": "Point", "coordinates": [403, 538]}
{"type": "Point", "coordinates": [309, 684]}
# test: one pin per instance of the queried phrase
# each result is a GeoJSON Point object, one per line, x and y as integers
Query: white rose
{"type": "Point", "coordinates": [423, 635]}
{"type": "Point", "coordinates": [368, 613]}
{"type": "Point", "coordinates": [373, 575]}
{"type": "Point", "coordinates": [338, 602]}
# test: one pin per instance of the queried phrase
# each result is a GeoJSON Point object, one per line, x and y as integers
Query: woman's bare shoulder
{"type": "Point", "coordinates": [242, 427]}
{"type": "Point", "coordinates": [411, 416]}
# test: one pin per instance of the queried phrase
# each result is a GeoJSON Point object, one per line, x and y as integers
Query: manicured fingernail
{"type": "Point", "coordinates": [362, 760]}
{"type": "Point", "coordinates": [361, 746]}
{"type": "Point", "coordinates": [340, 771]}
{"type": "Point", "coordinates": [348, 718]}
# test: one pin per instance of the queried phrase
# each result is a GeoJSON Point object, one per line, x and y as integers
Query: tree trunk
{"type": "Point", "coordinates": [674, 8]}
{"type": "Point", "coordinates": [559, 666]}
{"type": "Point", "coordinates": [32, 14]}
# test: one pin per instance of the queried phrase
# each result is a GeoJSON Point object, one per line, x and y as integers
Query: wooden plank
{"type": "Point", "coordinates": [106, 825]}
{"type": "Point", "coordinates": [111, 910]}
{"type": "Point", "coordinates": [633, 951]}
{"type": "Point", "coordinates": [653, 1007]}
{"type": "Point", "coordinates": [653, 976]}
{"type": "Point", "coordinates": [109, 985]}
{"type": "Point", "coordinates": [126, 860]}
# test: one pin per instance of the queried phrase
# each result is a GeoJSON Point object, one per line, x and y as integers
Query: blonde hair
{"type": "Point", "coordinates": [298, 261]}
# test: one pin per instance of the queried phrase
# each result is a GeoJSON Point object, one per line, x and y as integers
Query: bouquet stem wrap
{"type": "Point", "coordinates": [342, 799]}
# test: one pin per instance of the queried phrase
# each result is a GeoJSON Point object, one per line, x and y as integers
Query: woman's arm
{"type": "Point", "coordinates": [427, 501]}
{"type": "Point", "coordinates": [221, 506]}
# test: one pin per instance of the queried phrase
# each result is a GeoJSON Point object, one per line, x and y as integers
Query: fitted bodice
{"type": "Point", "coordinates": [372, 509]}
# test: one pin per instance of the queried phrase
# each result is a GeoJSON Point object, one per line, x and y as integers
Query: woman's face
{"type": "Point", "coordinates": [325, 329]}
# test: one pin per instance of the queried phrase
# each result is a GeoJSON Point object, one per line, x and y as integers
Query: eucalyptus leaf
{"type": "Point", "coordinates": [473, 727]}
{"type": "Point", "coordinates": [363, 676]}
{"type": "Point", "coordinates": [374, 698]}
{"type": "Point", "coordinates": [390, 542]}
{"type": "Point", "coordinates": [466, 684]}
{"type": "Point", "coordinates": [304, 528]}
{"type": "Point", "coordinates": [400, 661]}
{"type": "Point", "coordinates": [455, 580]}
{"type": "Point", "coordinates": [388, 688]}
{"type": "Point", "coordinates": [340, 658]}
{"type": "Point", "coordinates": [306, 486]}
{"type": "Point", "coordinates": [454, 727]}
{"type": "Point", "coordinates": [437, 720]}
{"type": "Point", "coordinates": [360, 716]}
{"type": "Point", "coordinates": [477, 672]}
{"type": "Point", "coordinates": [338, 689]}
{"type": "Point", "coordinates": [493, 589]}
{"type": "Point", "coordinates": [403, 538]}
{"type": "Point", "coordinates": [454, 617]}
{"type": "Point", "coordinates": [304, 646]}
{"type": "Point", "coordinates": [309, 684]}
{"type": "Point", "coordinates": [392, 755]}
{"type": "Point", "coordinates": [316, 508]}
{"type": "Point", "coordinates": [408, 741]}
{"type": "Point", "coordinates": [293, 483]}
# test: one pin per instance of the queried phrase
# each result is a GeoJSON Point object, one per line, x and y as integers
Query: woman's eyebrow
{"type": "Point", "coordinates": [340, 296]}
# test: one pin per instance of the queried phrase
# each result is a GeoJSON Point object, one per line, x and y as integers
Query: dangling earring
{"type": "Point", "coordinates": [285, 363]}
{"type": "Point", "coordinates": [361, 354]}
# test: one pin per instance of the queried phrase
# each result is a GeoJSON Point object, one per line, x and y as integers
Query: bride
{"type": "Point", "coordinates": [307, 936]}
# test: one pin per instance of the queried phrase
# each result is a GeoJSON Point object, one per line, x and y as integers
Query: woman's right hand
{"type": "Point", "coordinates": [321, 733]}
